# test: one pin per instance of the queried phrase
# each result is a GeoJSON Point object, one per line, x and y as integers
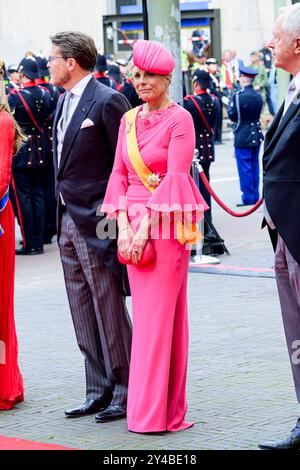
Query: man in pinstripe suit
{"type": "Point", "coordinates": [84, 137]}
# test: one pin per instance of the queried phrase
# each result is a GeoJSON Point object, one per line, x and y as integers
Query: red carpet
{"type": "Point", "coordinates": [9, 443]}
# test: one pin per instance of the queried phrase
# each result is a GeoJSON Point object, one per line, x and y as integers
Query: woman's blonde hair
{"type": "Point", "coordinates": [4, 106]}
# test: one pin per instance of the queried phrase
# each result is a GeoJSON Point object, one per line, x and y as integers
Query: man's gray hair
{"type": "Point", "coordinates": [291, 20]}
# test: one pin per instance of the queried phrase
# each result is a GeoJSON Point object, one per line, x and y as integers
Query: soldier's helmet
{"type": "Point", "coordinates": [249, 72]}
{"type": "Point", "coordinates": [202, 77]}
{"type": "Point", "coordinates": [29, 67]}
{"type": "Point", "coordinates": [101, 64]}
{"type": "Point", "coordinates": [13, 68]}
{"type": "Point", "coordinates": [42, 63]}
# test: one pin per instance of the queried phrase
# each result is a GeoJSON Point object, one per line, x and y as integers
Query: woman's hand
{"type": "Point", "coordinates": [125, 238]}
{"type": "Point", "coordinates": [138, 244]}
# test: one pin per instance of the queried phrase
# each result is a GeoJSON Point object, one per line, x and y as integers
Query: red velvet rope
{"type": "Point", "coordinates": [221, 204]}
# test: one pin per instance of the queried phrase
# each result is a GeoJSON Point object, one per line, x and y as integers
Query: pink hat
{"type": "Point", "coordinates": [153, 57]}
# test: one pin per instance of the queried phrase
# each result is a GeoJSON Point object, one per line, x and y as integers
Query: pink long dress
{"type": "Point", "coordinates": [158, 368]}
{"type": "Point", "coordinates": [11, 382]}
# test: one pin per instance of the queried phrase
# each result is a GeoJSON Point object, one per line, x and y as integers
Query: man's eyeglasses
{"type": "Point", "coordinates": [52, 58]}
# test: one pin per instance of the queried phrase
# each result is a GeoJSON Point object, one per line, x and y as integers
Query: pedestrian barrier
{"type": "Point", "coordinates": [221, 203]}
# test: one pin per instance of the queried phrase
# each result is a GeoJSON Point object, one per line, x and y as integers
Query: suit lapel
{"type": "Point", "coordinates": [273, 127]}
{"type": "Point", "coordinates": [78, 117]}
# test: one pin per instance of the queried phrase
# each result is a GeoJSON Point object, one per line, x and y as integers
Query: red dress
{"type": "Point", "coordinates": [11, 382]}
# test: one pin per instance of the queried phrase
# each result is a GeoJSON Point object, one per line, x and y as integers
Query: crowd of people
{"type": "Point", "coordinates": [33, 100]}
{"type": "Point", "coordinates": [211, 85]}
{"type": "Point", "coordinates": [88, 156]}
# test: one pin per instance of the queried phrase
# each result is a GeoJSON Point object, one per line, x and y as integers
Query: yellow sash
{"type": "Point", "coordinates": [186, 233]}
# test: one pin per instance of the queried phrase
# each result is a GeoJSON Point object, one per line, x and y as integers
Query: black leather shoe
{"type": "Point", "coordinates": [292, 442]}
{"type": "Point", "coordinates": [29, 252]}
{"type": "Point", "coordinates": [88, 408]}
{"type": "Point", "coordinates": [111, 413]}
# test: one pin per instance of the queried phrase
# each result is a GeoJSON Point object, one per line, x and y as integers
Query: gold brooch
{"type": "Point", "coordinates": [153, 180]}
{"type": "Point", "coordinates": [129, 126]}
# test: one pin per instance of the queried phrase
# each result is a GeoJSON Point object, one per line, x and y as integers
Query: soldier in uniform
{"type": "Point", "coordinates": [204, 108]}
{"type": "Point", "coordinates": [48, 174]}
{"type": "Point", "coordinates": [244, 110]}
{"type": "Point", "coordinates": [14, 78]}
{"type": "Point", "coordinates": [215, 88]}
{"type": "Point", "coordinates": [128, 90]}
{"type": "Point", "coordinates": [43, 81]}
{"type": "Point", "coordinates": [100, 73]}
{"type": "Point", "coordinates": [114, 74]}
{"type": "Point", "coordinates": [31, 107]}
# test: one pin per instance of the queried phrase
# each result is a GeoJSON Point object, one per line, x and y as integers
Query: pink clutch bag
{"type": "Point", "coordinates": [149, 256]}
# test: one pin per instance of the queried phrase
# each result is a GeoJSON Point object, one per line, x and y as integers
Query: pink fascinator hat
{"type": "Point", "coordinates": [151, 56]}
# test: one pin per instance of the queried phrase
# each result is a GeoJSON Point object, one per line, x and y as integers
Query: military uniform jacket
{"type": "Point", "coordinates": [128, 90]}
{"type": "Point", "coordinates": [281, 175]}
{"type": "Point", "coordinates": [54, 96]}
{"type": "Point", "coordinates": [245, 109]}
{"type": "Point", "coordinates": [105, 80]}
{"type": "Point", "coordinates": [33, 152]}
{"type": "Point", "coordinates": [210, 107]}
{"type": "Point", "coordinates": [215, 86]}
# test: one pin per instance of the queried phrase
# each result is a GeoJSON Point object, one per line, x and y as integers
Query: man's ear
{"type": "Point", "coordinates": [297, 48]}
{"type": "Point", "coordinates": [71, 64]}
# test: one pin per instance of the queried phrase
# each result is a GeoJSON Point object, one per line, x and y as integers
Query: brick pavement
{"type": "Point", "coordinates": [239, 383]}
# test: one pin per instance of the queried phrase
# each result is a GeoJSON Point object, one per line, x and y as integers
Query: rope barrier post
{"type": "Point", "coordinates": [199, 258]}
{"type": "Point", "coordinates": [220, 203]}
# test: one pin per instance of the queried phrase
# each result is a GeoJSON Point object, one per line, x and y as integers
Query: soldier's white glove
{"type": "Point", "coordinates": [225, 100]}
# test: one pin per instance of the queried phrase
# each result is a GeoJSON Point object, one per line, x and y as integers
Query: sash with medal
{"type": "Point", "coordinates": [186, 232]}
{"type": "Point", "coordinates": [3, 203]}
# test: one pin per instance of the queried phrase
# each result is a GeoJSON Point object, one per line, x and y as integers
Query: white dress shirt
{"type": "Point", "coordinates": [77, 92]}
{"type": "Point", "coordinates": [292, 92]}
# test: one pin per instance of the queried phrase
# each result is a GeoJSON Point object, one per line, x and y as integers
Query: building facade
{"type": "Point", "coordinates": [245, 24]}
{"type": "Point", "coordinates": [27, 25]}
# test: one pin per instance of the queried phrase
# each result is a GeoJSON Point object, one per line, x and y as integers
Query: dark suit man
{"type": "Point", "coordinates": [281, 188]}
{"type": "Point", "coordinates": [84, 140]}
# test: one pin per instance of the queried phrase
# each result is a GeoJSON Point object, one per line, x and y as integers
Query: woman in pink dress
{"type": "Point", "coordinates": [166, 139]}
{"type": "Point", "coordinates": [11, 382]}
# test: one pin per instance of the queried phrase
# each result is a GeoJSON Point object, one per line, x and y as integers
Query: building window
{"type": "Point", "coordinates": [125, 3]}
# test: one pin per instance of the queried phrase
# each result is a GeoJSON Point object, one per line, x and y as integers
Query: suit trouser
{"type": "Point", "coordinates": [247, 159]}
{"type": "Point", "coordinates": [288, 283]}
{"type": "Point", "coordinates": [29, 187]}
{"type": "Point", "coordinates": [101, 321]}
